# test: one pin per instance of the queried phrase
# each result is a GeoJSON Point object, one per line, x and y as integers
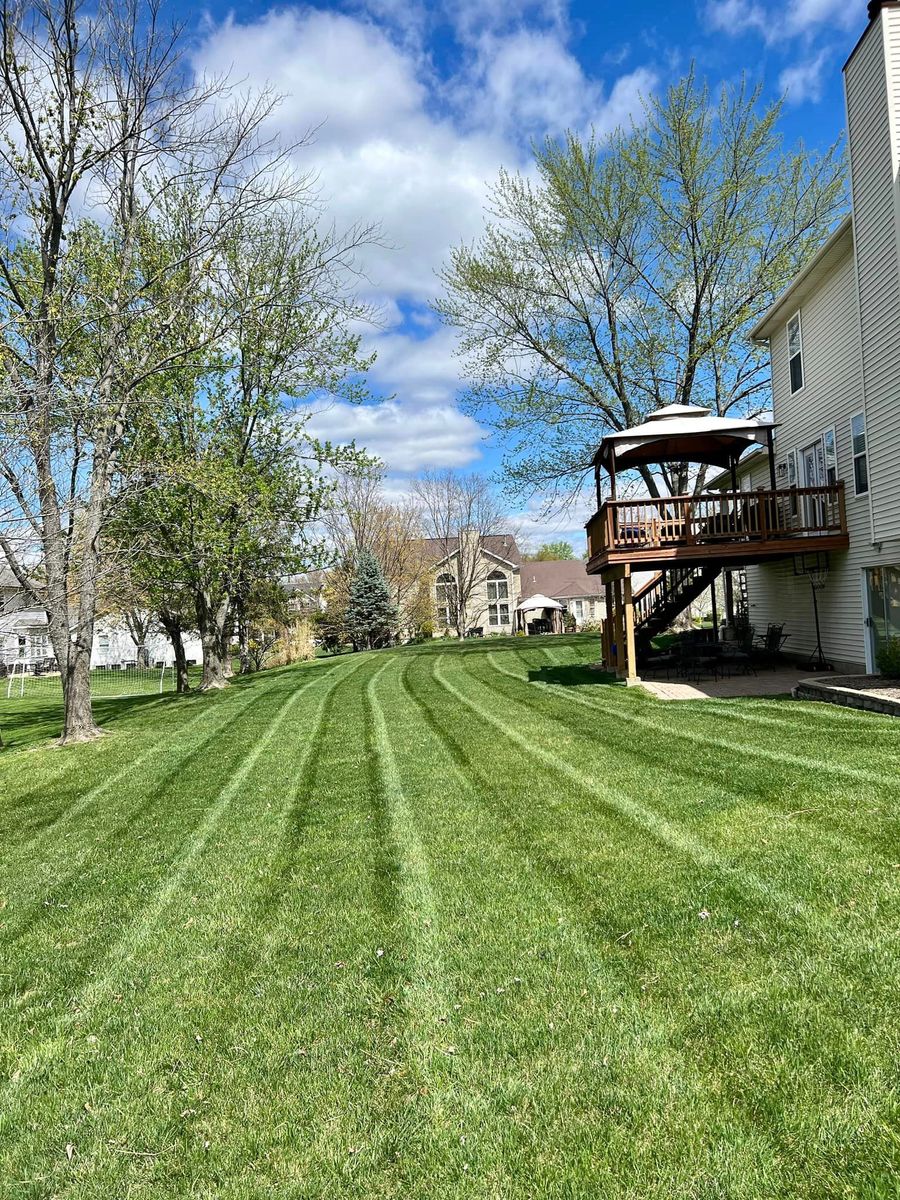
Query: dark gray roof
{"type": "Point", "coordinates": [560, 579]}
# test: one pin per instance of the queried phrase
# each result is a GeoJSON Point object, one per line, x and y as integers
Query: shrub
{"type": "Point", "coordinates": [590, 627]}
{"type": "Point", "coordinates": [887, 660]}
{"type": "Point", "coordinates": [294, 645]}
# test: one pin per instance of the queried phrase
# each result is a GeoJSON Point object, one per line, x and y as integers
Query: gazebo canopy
{"type": "Point", "coordinates": [535, 602]}
{"type": "Point", "coordinates": [682, 433]}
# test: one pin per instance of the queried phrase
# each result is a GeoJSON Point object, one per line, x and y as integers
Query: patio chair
{"type": "Point", "coordinates": [697, 657]}
{"type": "Point", "coordinates": [739, 651]}
{"type": "Point", "coordinates": [767, 646]}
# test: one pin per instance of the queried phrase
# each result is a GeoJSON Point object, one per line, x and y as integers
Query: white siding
{"type": "Point", "coordinates": [872, 80]}
{"type": "Point", "coordinates": [831, 394]}
{"type": "Point", "coordinates": [851, 359]}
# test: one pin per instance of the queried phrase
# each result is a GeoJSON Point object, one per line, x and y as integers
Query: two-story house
{"type": "Point", "coordinates": [476, 580]}
{"type": "Point", "coordinates": [808, 503]}
{"type": "Point", "coordinates": [23, 629]}
{"type": "Point", "coordinates": [835, 354]}
{"type": "Point", "coordinates": [25, 640]}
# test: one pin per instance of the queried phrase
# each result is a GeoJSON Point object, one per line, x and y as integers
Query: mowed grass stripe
{"type": "Point", "coordinates": [108, 945]}
{"type": "Point", "coordinates": [684, 728]}
{"type": "Point", "coordinates": [561, 952]}
{"type": "Point", "coordinates": [608, 1039]}
{"type": "Point", "coordinates": [191, 979]}
{"type": "Point", "coordinates": [55, 883]}
{"type": "Point", "coordinates": [160, 756]}
{"type": "Point", "coordinates": [139, 929]}
{"type": "Point", "coordinates": [747, 883]}
{"type": "Point", "coordinates": [784, 793]}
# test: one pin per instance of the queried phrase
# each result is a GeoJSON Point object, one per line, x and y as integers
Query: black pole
{"type": "Point", "coordinates": [715, 612]}
{"type": "Point", "coordinates": [771, 443]}
{"type": "Point", "coordinates": [734, 478]}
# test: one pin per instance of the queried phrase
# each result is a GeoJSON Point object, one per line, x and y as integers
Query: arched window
{"type": "Point", "coordinates": [498, 598]}
{"type": "Point", "coordinates": [446, 600]}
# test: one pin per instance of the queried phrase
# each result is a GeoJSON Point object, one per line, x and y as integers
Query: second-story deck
{"type": "Point", "coordinates": [730, 528]}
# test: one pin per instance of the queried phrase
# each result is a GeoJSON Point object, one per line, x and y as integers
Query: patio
{"type": "Point", "coordinates": [777, 681]}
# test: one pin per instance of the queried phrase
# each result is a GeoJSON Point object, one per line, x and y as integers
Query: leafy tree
{"type": "Point", "coordinates": [624, 274]}
{"type": "Point", "coordinates": [371, 617]}
{"type": "Point", "coordinates": [232, 485]}
{"type": "Point", "coordinates": [96, 101]}
{"type": "Point", "coordinates": [553, 551]}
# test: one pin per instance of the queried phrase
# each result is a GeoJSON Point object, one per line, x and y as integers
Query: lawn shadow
{"type": "Point", "coordinates": [574, 675]}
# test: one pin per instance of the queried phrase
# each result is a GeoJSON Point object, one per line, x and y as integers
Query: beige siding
{"type": "Point", "coordinates": [873, 109]}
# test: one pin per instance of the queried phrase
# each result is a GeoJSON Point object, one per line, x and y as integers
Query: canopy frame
{"type": "Point", "coordinates": [683, 433]}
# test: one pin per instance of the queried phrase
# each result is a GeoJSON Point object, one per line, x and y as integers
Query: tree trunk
{"type": "Point", "coordinates": [78, 723]}
{"type": "Point", "coordinates": [73, 657]}
{"type": "Point", "coordinates": [211, 621]}
{"type": "Point", "coordinates": [248, 665]}
{"type": "Point", "coordinates": [172, 625]}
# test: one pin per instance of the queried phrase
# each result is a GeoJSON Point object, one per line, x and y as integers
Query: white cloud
{"type": "Point", "coordinates": [797, 18]}
{"type": "Point", "coordinates": [399, 146]}
{"type": "Point", "coordinates": [804, 80]}
{"type": "Point", "coordinates": [406, 437]}
{"type": "Point", "coordinates": [529, 84]}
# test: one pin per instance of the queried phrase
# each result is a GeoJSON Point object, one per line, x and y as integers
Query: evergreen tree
{"type": "Point", "coordinates": [371, 617]}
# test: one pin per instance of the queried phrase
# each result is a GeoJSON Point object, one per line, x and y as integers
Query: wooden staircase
{"type": "Point", "coordinates": [662, 598]}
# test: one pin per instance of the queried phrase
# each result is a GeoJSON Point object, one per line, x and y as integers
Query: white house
{"type": "Point", "coordinates": [835, 354]}
{"type": "Point", "coordinates": [24, 636]}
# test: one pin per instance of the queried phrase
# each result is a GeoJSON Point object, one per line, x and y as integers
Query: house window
{"type": "Point", "coordinates": [795, 352]}
{"type": "Point", "coordinates": [445, 590]}
{"type": "Point", "coordinates": [829, 445]}
{"type": "Point", "coordinates": [579, 610]}
{"type": "Point", "coordinates": [498, 598]}
{"type": "Point", "coordinates": [860, 455]}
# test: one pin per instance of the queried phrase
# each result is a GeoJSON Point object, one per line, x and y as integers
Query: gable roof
{"type": "Point", "coordinates": [839, 243]}
{"type": "Point", "coordinates": [498, 545]}
{"type": "Point", "coordinates": [560, 578]}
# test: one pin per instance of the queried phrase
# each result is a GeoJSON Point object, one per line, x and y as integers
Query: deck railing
{"type": "Point", "coordinates": [714, 518]}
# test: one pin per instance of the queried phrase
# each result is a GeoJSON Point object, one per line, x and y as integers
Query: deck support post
{"type": "Point", "coordinates": [618, 627]}
{"type": "Point", "coordinates": [630, 664]}
{"type": "Point", "coordinates": [608, 623]}
{"type": "Point", "coordinates": [729, 599]}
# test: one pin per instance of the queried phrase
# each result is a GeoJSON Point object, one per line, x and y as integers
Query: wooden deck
{"type": "Point", "coordinates": [732, 528]}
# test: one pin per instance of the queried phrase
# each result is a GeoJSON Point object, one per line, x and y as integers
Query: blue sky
{"type": "Point", "coordinates": [418, 106]}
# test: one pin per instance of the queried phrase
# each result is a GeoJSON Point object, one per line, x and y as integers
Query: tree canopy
{"type": "Point", "coordinates": [552, 552]}
{"type": "Point", "coordinates": [623, 274]}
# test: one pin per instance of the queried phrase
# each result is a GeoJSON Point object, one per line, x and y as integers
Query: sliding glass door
{"type": "Point", "coordinates": [883, 597]}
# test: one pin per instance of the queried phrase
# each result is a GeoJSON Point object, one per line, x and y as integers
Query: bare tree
{"type": "Point", "coordinates": [361, 518]}
{"type": "Point", "coordinates": [460, 512]}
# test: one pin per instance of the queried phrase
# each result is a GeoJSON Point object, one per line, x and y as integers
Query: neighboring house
{"type": "Point", "coordinates": [23, 629]}
{"type": "Point", "coordinates": [835, 350]}
{"type": "Point", "coordinates": [483, 569]}
{"type": "Point", "coordinates": [567, 581]}
{"type": "Point", "coordinates": [306, 591]}
{"type": "Point", "coordinates": [24, 635]}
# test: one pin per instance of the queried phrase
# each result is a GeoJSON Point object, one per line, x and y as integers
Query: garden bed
{"type": "Point", "coordinates": [874, 693]}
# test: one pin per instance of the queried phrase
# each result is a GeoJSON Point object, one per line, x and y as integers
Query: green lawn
{"type": "Point", "coordinates": [450, 921]}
